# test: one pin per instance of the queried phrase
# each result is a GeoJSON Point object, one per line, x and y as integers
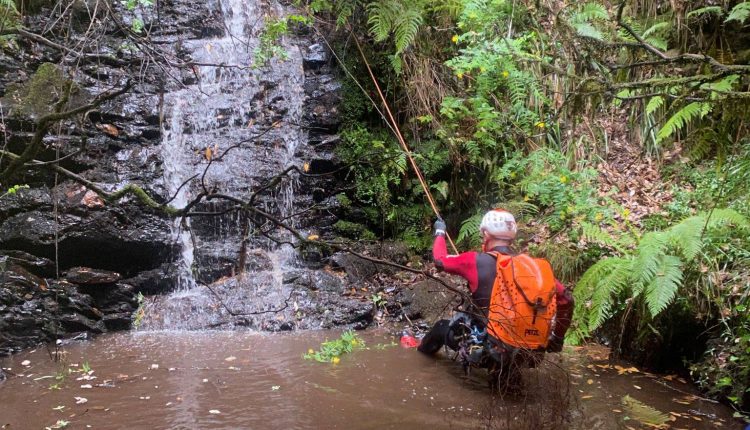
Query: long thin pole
{"type": "Point", "coordinates": [401, 140]}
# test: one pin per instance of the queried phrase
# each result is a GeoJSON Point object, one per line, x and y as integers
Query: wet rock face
{"type": "Point", "coordinates": [34, 309]}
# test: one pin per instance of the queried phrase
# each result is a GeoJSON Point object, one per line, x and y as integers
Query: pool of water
{"type": "Point", "coordinates": [244, 380]}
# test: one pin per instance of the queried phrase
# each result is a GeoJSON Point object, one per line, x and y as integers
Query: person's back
{"type": "Point", "coordinates": [498, 230]}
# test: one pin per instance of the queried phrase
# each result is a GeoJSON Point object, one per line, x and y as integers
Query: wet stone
{"type": "Point", "coordinates": [88, 276]}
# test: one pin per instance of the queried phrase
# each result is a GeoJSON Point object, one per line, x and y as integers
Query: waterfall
{"type": "Point", "coordinates": [216, 108]}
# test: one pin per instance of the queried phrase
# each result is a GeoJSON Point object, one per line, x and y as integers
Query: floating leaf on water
{"type": "Point", "coordinates": [644, 413]}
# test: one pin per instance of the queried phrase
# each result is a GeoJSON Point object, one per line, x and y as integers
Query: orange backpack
{"type": "Point", "coordinates": [523, 301]}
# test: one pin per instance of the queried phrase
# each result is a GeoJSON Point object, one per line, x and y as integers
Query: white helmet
{"type": "Point", "coordinates": [499, 224]}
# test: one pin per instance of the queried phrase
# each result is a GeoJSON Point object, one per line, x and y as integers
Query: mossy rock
{"type": "Point", "coordinates": [353, 230]}
{"type": "Point", "coordinates": [37, 96]}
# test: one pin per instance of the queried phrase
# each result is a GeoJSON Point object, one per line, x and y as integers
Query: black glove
{"type": "Point", "coordinates": [440, 227]}
{"type": "Point", "coordinates": [555, 343]}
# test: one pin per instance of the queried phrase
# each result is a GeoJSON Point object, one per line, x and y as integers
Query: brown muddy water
{"type": "Point", "coordinates": [241, 380]}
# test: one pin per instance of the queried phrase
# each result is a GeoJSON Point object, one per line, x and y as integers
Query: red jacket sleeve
{"type": "Point", "coordinates": [464, 264]}
{"type": "Point", "coordinates": [565, 305]}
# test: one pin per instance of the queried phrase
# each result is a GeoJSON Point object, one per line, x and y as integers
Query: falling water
{"type": "Point", "coordinates": [228, 103]}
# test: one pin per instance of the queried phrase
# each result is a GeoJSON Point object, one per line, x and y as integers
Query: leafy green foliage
{"type": "Point", "coordinates": [682, 117]}
{"type": "Point", "coordinates": [273, 30]}
{"type": "Point", "coordinates": [739, 13]}
{"type": "Point", "coordinates": [331, 351]}
{"type": "Point", "coordinates": [13, 190]}
{"type": "Point", "coordinates": [136, 24]}
{"type": "Point", "coordinates": [654, 272]}
{"type": "Point", "coordinates": [9, 16]}
{"type": "Point", "coordinates": [544, 179]}
{"type": "Point", "coordinates": [584, 18]}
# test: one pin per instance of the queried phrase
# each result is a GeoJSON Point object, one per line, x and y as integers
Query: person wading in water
{"type": "Point", "coordinates": [519, 310]}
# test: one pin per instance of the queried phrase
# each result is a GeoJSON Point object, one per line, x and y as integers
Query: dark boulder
{"type": "Point", "coordinates": [35, 310]}
{"type": "Point", "coordinates": [427, 299]}
{"type": "Point", "coordinates": [88, 276]}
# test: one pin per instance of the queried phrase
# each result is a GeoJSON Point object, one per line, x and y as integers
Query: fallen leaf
{"type": "Point", "coordinates": [109, 129]}
{"type": "Point", "coordinates": [154, 366]}
{"type": "Point", "coordinates": [275, 387]}
{"type": "Point", "coordinates": [81, 400]}
{"type": "Point", "coordinates": [313, 237]}
{"type": "Point", "coordinates": [86, 386]}
{"type": "Point", "coordinates": [25, 363]}
{"type": "Point", "coordinates": [590, 381]}
{"type": "Point", "coordinates": [587, 397]}
{"type": "Point", "coordinates": [214, 411]}
{"type": "Point", "coordinates": [637, 387]}
{"type": "Point", "coordinates": [232, 358]}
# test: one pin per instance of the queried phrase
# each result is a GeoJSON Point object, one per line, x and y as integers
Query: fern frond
{"type": "Point", "coordinates": [470, 227]}
{"type": "Point", "coordinates": [585, 29]}
{"type": "Point", "coordinates": [739, 13]}
{"type": "Point", "coordinates": [596, 234]}
{"type": "Point", "coordinates": [708, 10]}
{"type": "Point", "coordinates": [645, 265]}
{"type": "Point", "coordinates": [692, 111]}
{"type": "Point", "coordinates": [603, 299]}
{"type": "Point", "coordinates": [406, 27]}
{"type": "Point", "coordinates": [665, 283]}
{"type": "Point", "coordinates": [381, 16]}
{"type": "Point", "coordinates": [657, 28]}
{"type": "Point", "coordinates": [724, 217]}
{"type": "Point", "coordinates": [653, 104]}
{"type": "Point", "coordinates": [687, 236]}
{"type": "Point", "coordinates": [592, 11]}
{"type": "Point", "coordinates": [723, 85]}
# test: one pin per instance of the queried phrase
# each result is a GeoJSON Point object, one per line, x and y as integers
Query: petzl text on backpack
{"type": "Point", "coordinates": [523, 303]}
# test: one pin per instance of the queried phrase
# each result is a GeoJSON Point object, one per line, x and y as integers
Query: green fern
{"type": "Point", "coordinates": [615, 280]}
{"type": "Point", "coordinates": [406, 28]}
{"type": "Point", "coordinates": [727, 217]}
{"type": "Point", "coordinates": [691, 112]}
{"type": "Point", "coordinates": [402, 19]}
{"type": "Point", "coordinates": [653, 273]}
{"type": "Point", "coordinates": [739, 13]}
{"type": "Point", "coordinates": [650, 247]}
{"type": "Point", "coordinates": [654, 104]}
{"type": "Point", "coordinates": [470, 227]}
{"type": "Point", "coordinates": [582, 20]}
{"type": "Point", "coordinates": [596, 234]}
{"type": "Point", "coordinates": [664, 284]}
{"type": "Point", "coordinates": [687, 236]}
{"type": "Point", "coordinates": [705, 11]}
